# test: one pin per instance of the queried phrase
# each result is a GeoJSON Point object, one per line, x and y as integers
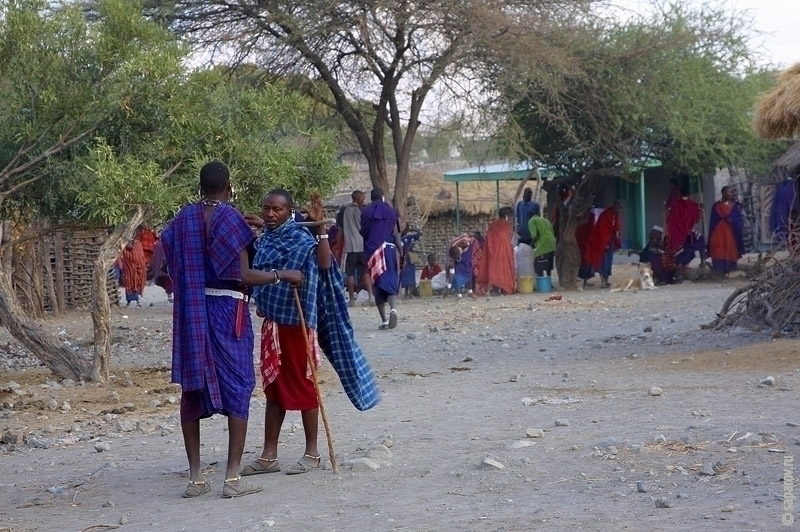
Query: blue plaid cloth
{"type": "Point", "coordinates": [338, 341]}
{"type": "Point", "coordinates": [291, 246]}
{"type": "Point", "coordinates": [188, 251]}
{"type": "Point", "coordinates": [287, 247]}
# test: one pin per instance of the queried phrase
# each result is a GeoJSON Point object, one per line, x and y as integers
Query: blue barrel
{"type": "Point", "coordinates": [544, 284]}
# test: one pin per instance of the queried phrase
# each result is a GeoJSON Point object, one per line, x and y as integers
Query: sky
{"type": "Point", "coordinates": [776, 21]}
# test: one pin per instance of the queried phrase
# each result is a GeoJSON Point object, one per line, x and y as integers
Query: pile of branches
{"type": "Point", "coordinates": [770, 301]}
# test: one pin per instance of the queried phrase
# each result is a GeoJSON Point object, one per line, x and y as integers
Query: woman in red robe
{"type": "Point", "coordinates": [147, 237]}
{"type": "Point", "coordinates": [726, 233]}
{"type": "Point", "coordinates": [604, 240]}
{"type": "Point", "coordinates": [496, 267]}
{"type": "Point", "coordinates": [134, 271]}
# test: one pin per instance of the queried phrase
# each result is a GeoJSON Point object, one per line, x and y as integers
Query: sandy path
{"type": "Point", "coordinates": [455, 377]}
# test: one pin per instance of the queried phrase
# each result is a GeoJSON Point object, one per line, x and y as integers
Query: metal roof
{"type": "Point", "coordinates": [500, 172]}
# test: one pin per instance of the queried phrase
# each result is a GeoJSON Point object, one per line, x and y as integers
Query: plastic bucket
{"type": "Point", "coordinates": [525, 283]}
{"type": "Point", "coordinates": [425, 288]}
{"type": "Point", "coordinates": [544, 284]}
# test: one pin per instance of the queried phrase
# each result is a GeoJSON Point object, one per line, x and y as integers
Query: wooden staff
{"type": "Point", "coordinates": [702, 209]}
{"type": "Point", "coordinates": [312, 363]}
{"type": "Point", "coordinates": [317, 223]}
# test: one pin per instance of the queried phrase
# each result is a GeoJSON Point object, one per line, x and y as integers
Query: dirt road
{"type": "Point", "coordinates": [601, 411]}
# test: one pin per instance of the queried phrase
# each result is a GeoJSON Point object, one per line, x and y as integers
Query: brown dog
{"type": "Point", "coordinates": [643, 282]}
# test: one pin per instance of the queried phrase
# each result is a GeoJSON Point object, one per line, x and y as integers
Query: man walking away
{"type": "Point", "coordinates": [355, 261]}
{"type": "Point", "coordinates": [378, 227]}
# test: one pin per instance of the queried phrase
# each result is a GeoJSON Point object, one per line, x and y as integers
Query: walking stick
{"type": "Point", "coordinates": [703, 252]}
{"type": "Point", "coordinates": [702, 211]}
{"type": "Point", "coordinates": [312, 363]}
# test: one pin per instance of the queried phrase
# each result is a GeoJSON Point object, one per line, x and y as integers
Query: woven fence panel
{"type": "Point", "coordinates": [71, 256]}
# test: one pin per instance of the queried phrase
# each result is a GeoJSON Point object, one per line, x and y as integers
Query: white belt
{"type": "Point", "coordinates": [222, 292]}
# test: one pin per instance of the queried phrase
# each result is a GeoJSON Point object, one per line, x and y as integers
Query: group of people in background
{"type": "Point", "coordinates": [142, 260]}
{"type": "Point", "coordinates": [487, 264]}
{"type": "Point", "coordinates": [477, 264]}
{"type": "Point", "coordinates": [671, 248]}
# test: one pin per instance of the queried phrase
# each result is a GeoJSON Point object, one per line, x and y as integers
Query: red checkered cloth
{"type": "Point", "coordinates": [377, 263]}
{"type": "Point", "coordinates": [271, 352]}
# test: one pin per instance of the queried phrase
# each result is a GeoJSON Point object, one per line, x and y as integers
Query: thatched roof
{"type": "Point", "coordinates": [790, 159]}
{"type": "Point", "coordinates": [785, 166]}
{"type": "Point", "coordinates": [433, 195]}
{"type": "Point", "coordinates": [777, 114]}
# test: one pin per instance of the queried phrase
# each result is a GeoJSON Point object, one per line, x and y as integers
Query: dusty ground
{"type": "Point", "coordinates": [465, 384]}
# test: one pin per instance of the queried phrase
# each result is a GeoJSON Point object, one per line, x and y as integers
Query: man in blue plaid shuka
{"type": "Point", "coordinates": [290, 246]}
{"type": "Point", "coordinates": [212, 339]}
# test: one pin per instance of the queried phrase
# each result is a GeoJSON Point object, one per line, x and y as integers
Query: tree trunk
{"type": "Point", "coordinates": [400, 199]}
{"type": "Point", "coordinates": [38, 279]}
{"type": "Point", "coordinates": [60, 359]}
{"type": "Point", "coordinates": [23, 281]}
{"type": "Point", "coordinates": [101, 304]}
{"type": "Point", "coordinates": [377, 169]}
{"type": "Point", "coordinates": [101, 320]}
{"type": "Point", "coordinates": [568, 254]}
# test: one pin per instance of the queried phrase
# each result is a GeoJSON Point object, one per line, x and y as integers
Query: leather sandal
{"type": "Point", "coordinates": [305, 464]}
{"type": "Point", "coordinates": [196, 488]}
{"type": "Point", "coordinates": [236, 487]}
{"type": "Point", "coordinates": [261, 465]}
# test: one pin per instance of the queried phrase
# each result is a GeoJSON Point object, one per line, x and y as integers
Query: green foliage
{"type": "Point", "coordinates": [64, 77]}
{"type": "Point", "coordinates": [679, 88]}
{"type": "Point", "coordinates": [261, 132]}
{"type": "Point", "coordinates": [101, 115]}
{"type": "Point", "coordinates": [121, 184]}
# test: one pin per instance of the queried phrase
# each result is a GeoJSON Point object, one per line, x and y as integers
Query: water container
{"type": "Point", "coordinates": [425, 288]}
{"type": "Point", "coordinates": [544, 284]}
{"type": "Point", "coordinates": [525, 284]}
{"type": "Point", "coordinates": [523, 260]}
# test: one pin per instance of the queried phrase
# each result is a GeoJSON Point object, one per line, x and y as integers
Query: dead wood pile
{"type": "Point", "coordinates": [770, 300]}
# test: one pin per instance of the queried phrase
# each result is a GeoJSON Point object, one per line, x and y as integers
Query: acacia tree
{"type": "Point", "coordinates": [62, 79]}
{"type": "Point", "coordinates": [390, 54]}
{"type": "Point", "coordinates": [677, 87]}
{"type": "Point", "coordinates": [153, 166]}
{"type": "Point", "coordinates": [266, 132]}
{"type": "Point", "coordinates": [123, 193]}
{"type": "Point", "coordinates": [104, 125]}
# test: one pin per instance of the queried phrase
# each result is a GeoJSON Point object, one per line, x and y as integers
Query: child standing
{"type": "Point", "coordinates": [408, 276]}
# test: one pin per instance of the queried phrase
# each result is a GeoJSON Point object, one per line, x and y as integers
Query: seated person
{"type": "Point", "coordinates": [434, 273]}
{"type": "Point", "coordinates": [653, 254]}
{"type": "Point", "coordinates": [694, 243]}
